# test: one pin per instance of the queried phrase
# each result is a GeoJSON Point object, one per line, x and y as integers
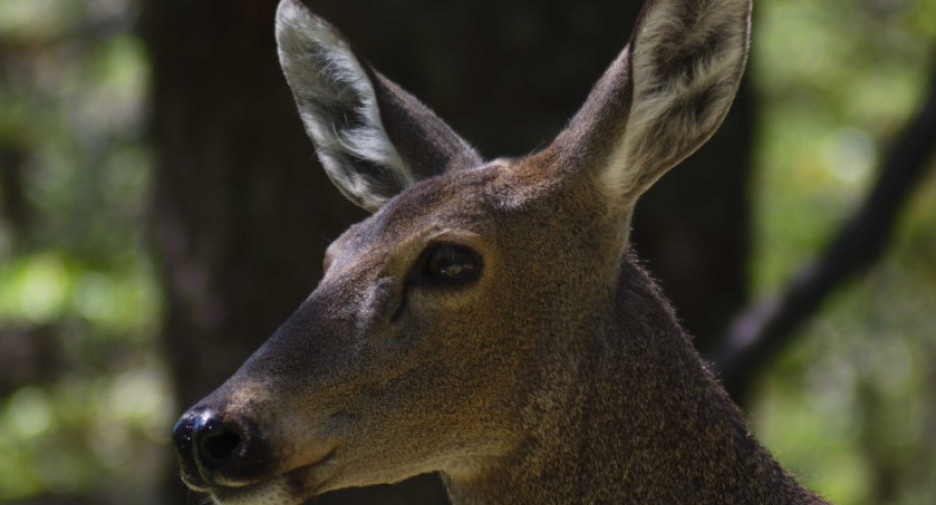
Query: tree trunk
{"type": "Point", "coordinates": [241, 212]}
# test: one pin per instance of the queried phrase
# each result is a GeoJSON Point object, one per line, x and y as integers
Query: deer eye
{"type": "Point", "coordinates": [449, 264]}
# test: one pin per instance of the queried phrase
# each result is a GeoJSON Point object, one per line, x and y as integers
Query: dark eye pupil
{"type": "Point", "coordinates": [450, 262]}
{"type": "Point", "coordinates": [449, 266]}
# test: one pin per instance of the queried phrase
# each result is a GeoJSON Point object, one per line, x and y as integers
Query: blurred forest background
{"type": "Point", "coordinates": [161, 211]}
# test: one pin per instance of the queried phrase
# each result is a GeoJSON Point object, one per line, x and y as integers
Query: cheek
{"type": "Point", "coordinates": [450, 343]}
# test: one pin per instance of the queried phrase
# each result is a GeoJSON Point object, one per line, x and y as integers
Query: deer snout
{"type": "Point", "coordinates": [215, 449]}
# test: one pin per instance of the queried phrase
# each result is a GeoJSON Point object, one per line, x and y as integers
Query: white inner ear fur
{"type": "Point", "coordinates": [654, 95]}
{"type": "Point", "coordinates": [337, 78]}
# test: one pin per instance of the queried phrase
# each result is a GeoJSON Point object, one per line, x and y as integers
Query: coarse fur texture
{"type": "Point", "coordinates": [489, 320]}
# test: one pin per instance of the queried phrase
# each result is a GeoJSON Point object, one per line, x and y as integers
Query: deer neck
{"type": "Point", "coordinates": [635, 420]}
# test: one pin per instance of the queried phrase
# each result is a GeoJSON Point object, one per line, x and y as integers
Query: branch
{"type": "Point", "coordinates": [759, 333]}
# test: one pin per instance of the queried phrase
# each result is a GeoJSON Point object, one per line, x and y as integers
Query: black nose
{"type": "Point", "coordinates": [208, 444]}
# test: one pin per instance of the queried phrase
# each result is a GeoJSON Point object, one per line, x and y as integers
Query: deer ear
{"type": "Point", "coordinates": [372, 137]}
{"type": "Point", "coordinates": [663, 97]}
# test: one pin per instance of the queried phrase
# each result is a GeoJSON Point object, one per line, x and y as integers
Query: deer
{"type": "Point", "coordinates": [490, 321]}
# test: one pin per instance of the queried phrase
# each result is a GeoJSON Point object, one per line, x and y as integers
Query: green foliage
{"type": "Point", "coordinates": [849, 408]}
{"type": "Point", "coordinates": [77, 294]}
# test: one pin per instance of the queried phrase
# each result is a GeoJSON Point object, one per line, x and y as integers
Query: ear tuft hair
{"type": "Point", "coordinates": [688, 58]}
{"type": "Point", "coordinates": [338, 107]}
{"type": "Point", "coordinates": [663, 97]}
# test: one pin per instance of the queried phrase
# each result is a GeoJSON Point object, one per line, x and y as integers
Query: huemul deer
{"type": "Point", "coordinates": [488, 321]}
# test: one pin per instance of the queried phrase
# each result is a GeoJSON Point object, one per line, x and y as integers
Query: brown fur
{"type": "Point", "coordinates": [559, 375]}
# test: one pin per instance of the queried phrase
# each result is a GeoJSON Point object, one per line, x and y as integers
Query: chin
{"type": "Point", "coordinates": [292, 488]}
{"type": "Point", "coordinates": [272, 492]}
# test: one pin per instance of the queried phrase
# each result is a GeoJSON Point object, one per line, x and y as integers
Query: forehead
{"type": "Point", "coordinates": [466, 200]}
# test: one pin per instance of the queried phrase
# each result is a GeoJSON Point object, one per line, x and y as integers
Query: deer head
{"type": "Point", "coordinates": [465, 300]}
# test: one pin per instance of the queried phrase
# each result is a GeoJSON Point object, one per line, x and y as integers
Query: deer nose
{"type": "Point", "coordinates": [208, 444]}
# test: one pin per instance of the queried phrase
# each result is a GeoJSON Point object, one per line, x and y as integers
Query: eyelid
{"type": "Point", "coordinates": [417, 274]}
{"type": "Point", "coordinates": [450, 236]}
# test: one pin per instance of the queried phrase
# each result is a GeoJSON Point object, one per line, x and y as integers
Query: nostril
{"type": "Point", "coordinates": [217, 444]}
{"type": "Point", "coordinates": [221, 447]}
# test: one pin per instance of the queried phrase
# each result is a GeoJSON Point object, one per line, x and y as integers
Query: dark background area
{"type": "Point", "coordinates": [163, 212]}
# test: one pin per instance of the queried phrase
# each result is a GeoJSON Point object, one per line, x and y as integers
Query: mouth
{"type": "Point", "coordinates": [292, 487]}
{"type": "Point", "coordinates": [274, 491]}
